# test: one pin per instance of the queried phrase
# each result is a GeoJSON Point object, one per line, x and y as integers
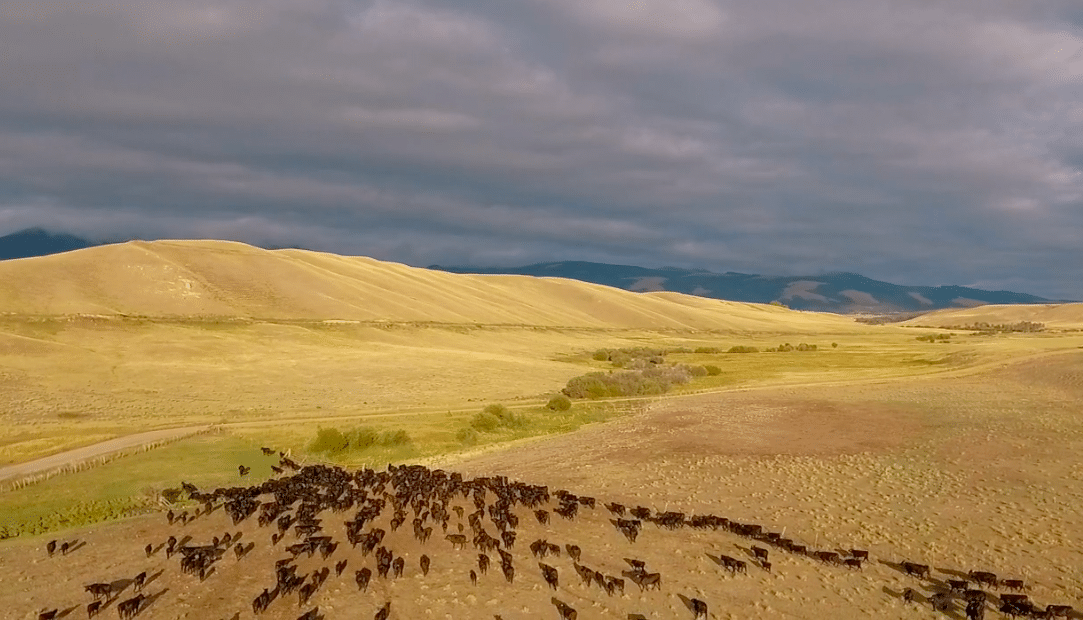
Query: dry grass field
{"type": "Point", "coordinates": [963, 455]}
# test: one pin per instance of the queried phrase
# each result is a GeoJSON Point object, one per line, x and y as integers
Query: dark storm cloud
{"type": "Point", "coordinates": [921, 144]}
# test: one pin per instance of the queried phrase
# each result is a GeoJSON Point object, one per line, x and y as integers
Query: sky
{"type": "Point", "coordinates": [922, 143]}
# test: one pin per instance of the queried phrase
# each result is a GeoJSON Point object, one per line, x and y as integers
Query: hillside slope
{"type": "Point", "coordinates": [228, 279]}
{"type": "Point", "coordinates": [1054, 316]}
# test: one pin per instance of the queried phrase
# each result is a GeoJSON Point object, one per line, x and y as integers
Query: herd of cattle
{"type": "Point", "coordinates": [297, 502]}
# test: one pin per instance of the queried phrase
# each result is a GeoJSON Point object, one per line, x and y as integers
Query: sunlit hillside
{"type": "Point", "coordinates": [226, 279]}
{"type": "Point", "coordinates": [1053, 316]}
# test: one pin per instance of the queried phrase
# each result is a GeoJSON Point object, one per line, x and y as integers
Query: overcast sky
{"type": "Point", "coordinates": [909, 141]}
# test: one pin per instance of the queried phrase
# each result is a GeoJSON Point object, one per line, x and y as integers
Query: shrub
{"type": "Point", "coordinates": [740, 349]}
{"type": "Point", "coordinates": [601, 355]}
{"type": "Point", "coordinates": [467, 436]}
{"type": "Point", "coordinates": [648, 381]}
{"type": "Point", "coordinates": [713, 370]}
{"type": "Point", "coordinates": [505, 416]}
{"type": "Point", "coordinates": [785, 347]}
{"type": "Point", "coordinates": [697, 371]}
{"type": "Point", "coordinates": [330, 440]}
{"type": "Point", "coordinates": [362, 438]}
{"type": "Point", "coordinates": [485, 422]}
{"type": "Point", "coordinates": [834, 345]}
{"type": "Point", "coordinates": [559, 402]}
{"type": "Point", "coordinates": [708, 350]}
{"type": "Point", "coordinates": [806, 347]}
{"type": "Point", "coordinates": [171, 495]}
{"type": "Point", "coordinates": [395, 438]}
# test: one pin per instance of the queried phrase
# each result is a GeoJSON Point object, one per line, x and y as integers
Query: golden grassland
{"type": "Point", "coordinates": [109, 341]}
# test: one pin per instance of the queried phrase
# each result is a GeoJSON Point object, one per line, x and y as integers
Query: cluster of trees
{"type": "Point", "coordinates": [990, 328]}
{"type": "Point", "coordinates": [790, 347]}
{"type": "Point", "coordinates": [638, 357]}
{"type": "Point", "coordinates": [332, 441]}
{"type": "Point", "coordinates": [640, 382]}
{"type": "Point", "coordinates": [935, 337]}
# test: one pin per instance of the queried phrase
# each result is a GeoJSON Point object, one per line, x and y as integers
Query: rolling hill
{"type": "Point", "coordinates": [234, 280]}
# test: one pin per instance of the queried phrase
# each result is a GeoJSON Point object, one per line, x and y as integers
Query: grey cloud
{"type": "Point", "coordinates": [930, 144]}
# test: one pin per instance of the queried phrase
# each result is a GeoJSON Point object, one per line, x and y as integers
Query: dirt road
{"type": "Point", "coordinates": [87, 453]}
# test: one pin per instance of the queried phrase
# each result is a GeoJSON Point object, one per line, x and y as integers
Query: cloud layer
{"type": "Point", "coordinates": [916, 143]}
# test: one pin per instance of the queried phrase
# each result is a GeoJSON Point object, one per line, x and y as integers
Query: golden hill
{"type": "Point", "coordinates": [164, 279]}
{"type": "Point", "coordinates": [1054, 316]}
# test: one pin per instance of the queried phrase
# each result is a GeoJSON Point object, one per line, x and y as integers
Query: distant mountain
{"type": "Point", "coordinates": [38, 242]}
{"type": "Point", "coordinates": [835, 292]}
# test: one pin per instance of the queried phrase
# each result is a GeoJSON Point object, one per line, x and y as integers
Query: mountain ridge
{"type": "Point", "coordinates": [839, 292]}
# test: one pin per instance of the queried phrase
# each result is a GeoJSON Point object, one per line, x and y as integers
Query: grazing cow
{"type": "Point", "coordinates": [829, 557]}
{"type": "Point", "coordinates": [1053, 611]}
{"type": "Point", "coordinates": [550, 575]}
{"type": "Point", "coordinates": [267, 451]}
{"type": "Point", "coordinates": [614, 583]}
{"type": "Point", "coordinates": [99, 590]}
{"type": "Point", "coordinates": [565, 610]}
{"type": "Point", "coordinates": [981, 577]}
{"type": "Point", "coordinates": [1017, 609]}
{"type": "Point", "coordinates": [48, 615]}
{"type": "Point", "coordinates": [699, 608]}
{"type": "Point", "coordinates": [238, 550]}
{"type": "Point", "coordinates": [384, 612]}
{"type": "Point", "coordinates": [398, 566]}
{"type": "Point", "coordinates": [760, 553]}
{"type": "Point", "coordinates": [941, 601]}
{"type": "Point", "coordinates": [140, 580]}
{"type": "Point", "coordinates": [473, 577]}
{"type": "Point", "coordinates": [129, 608]}
{"type": "Point", "coordinates": [92, 609]}
{"type": "Point", "coordinates": [852, 563]}
{"type": "Point", "coordinates": [860, 554]}
{"type": "Point", "coordinates": [305, 593]}
{"type": "Point", "coordinates": [651, 580]}
{"type": "Point", "coordinates": [509, 571]}
{"type": "Point", "coordinates": [425, 564]}
{"type": "Point", "coordinates": [261, 602]}
{"type": "Point", "coordinates": [542, 516]}
{"type": "Point", "coordinates": [311, 614]}
{"type": "Point", "coordinates": [339, 567]}
{"type": "Point", "coordinates": [278, 470]}
{"type": "Point", "coordinates": [616, 509]}
{"type": "Point", "coordinates": [958, 585]}
{"type": "Point", "coordinates": [457, 540]}
{"type": "Point", "coordinates": [766, 566]}
{"type": "Point", "coordinates": [640, 512]}
{"type": "Point", "coordinates": [483, 563]}
{"type": "Point", "coordinates": [975, 595]}
{"type": "Point", "coordinates": [64, 548]}
{"type": "Point", "coordinates": [909, 595]}
{"type": "Point", "coordinates": [1014, 584]}
{"type": "Point", "coordinates": [975, 610]}
{"type": "Point", "coordinates": [798, 549]}
{"type": "Point", "coordinates": [919, 570]}
{"type": "Point", "coordinates": [243, 470]}
{"type": "Point", "coordinates": [362, 577]}
{"type": "Point", "coordinates": [574, 552]}
{"type": "Point", "coordinates": [51, 547]}
{"type": "Point", "coordinates": [149, 549]}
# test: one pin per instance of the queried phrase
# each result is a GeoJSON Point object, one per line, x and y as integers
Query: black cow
{"type": "Point", "coordinates": [362, 578]}
{"type": "Point", "coordinates": [384, 612]}
{"type": "Point", "coordinates": [699, 608]}
{"type": "Point", "coordinates": [425, 561]}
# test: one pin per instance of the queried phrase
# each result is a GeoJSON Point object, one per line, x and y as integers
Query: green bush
{"type": "Point", "coordinates": [645, 382]}
{"type": "Point", "coordinates": [708, 350]}
{"type": "Point", "coordinates": [485, 422]}
{"type": "Point", "coordinates": [506, 416]}
{"type": "Point", "coordinates": [601, 355]}
{"type": "Point", "coordinates": [806, 347]}
{"type": "Point", "coordinates": [698, 371]}
{"type": "Point", "coordinates": [395, 438]}
{"type": "Point", "coordinates": [559, 402]}
{"type": "Point", "coordinates": [329, 440]}
{"type": "Point", "coordinates": [834, 345]}
{"type": "Point", "coordinates": [467, 436]}
{"type": "Point", "coordinates": [741, 349]}
{"type": "Point", "coordinates": [362, 438]}
{"type": "Point", "coordinates": [713, 370]}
